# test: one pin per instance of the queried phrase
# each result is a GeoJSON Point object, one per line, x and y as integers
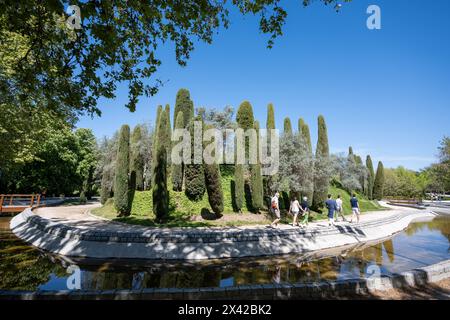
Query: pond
{"type": "Point", "coordinates": [23, 267]}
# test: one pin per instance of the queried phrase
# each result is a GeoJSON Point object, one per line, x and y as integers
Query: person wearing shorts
{"type": "Point", "coordinates": [355, 208]}
{"type": "Point", "coordinates": [305, 211]}
{"type": "Point", "coordinates": [275, 207]}
{"type": "Point", "coordinates": [340, 209]}
{"type": "Point", "coordinates": [294, 210]}
{"type": "Point", "coordinates": [331, 206]}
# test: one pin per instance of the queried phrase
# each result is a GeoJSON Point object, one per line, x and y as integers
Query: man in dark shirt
{"type": "Point", "coordinates": [332, 207]}
{"type": "Point", "coordinates": [355, 208]}
{"type": "Point", "coordinates": [304, 207]}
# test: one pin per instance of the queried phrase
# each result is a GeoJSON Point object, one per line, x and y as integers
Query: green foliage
{"type": "Point", "coordinates": [364, 203]}
{"type": "Point", "coordinates": [309, 179]}
{"type": "Point", "coordinates": [321, 165]}
{"type": "Point", "coordinates": [160, 188]}
{"type": "Point", "coordinates": [87, 158]}
{"type": "Point", "coordinates": [295, 175]}
{"type": "Point", "coordinates": [156, 140]}
{"type": "Point", "coordinates": [136, 158]}
{"type": "Point", "coordinates": [270, 124]}
{"type": "Point", "coordinates": [245, 121]}
{"type": "Point", "coordinates": [256, 181]}
{"type": "Point", "coordinates": [121, 182]}
{"type": "Point", "coordinates": [371, 177]}
{"type": "Point", "coordinates": [213, 184]}
{"type": "Point", "coordinates": [218, 119]}
{"type": "Point", "coordinates": [287, 128]}
{"type": "Point", "coordinates": [193, 173]}
{"type": "Point", "coordinates": [177, 169]}
{"type": "Point", "coordinates": [239, 185]}
{"type": "Point", "coordinates": [437, 176]}
{"type": "Point", "coordinates": [322, 149]}
{"type": "Point", "coordinates": [83, 198]}
{"type": "Point", "coordinates": [160, 191]}
{"type": "Point", "coordinates": [54, 159]}
{"type": "Point", "coordinates": [378, 187]}
{"type": "Point", "coordinates": [350, 152]}
{"type": "Point", "coordinates": [184, 104]}
{"type": "Point", "coordinates": [244, 116]}
{"type": "Point", "coordinates": [105, 191]}
{"type": "Point", "coordinates": [118, 42]}
{"type": "Point", "coordinates": [168, 136]}
{"type": "Point", "coordinates": [107, 166]}
{"type": "Point", "coordinates": [306, 135]}
{"type": "Point", "coordinates": [403, 183]}
{"type": "Point", "coordinates": [131, 188]}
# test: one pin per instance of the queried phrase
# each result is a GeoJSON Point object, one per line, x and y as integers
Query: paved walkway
{"type": "Point", "coordinates": [72, 231]}
{"type": "Point", "coordinates": [79, 216]}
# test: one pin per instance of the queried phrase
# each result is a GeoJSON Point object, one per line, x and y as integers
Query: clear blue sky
{"type": "Point", "coordinates": [385, 92]}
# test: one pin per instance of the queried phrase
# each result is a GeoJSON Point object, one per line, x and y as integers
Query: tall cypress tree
{"type": "Point", "coordinates": [321, 178]}
{"type": "Point", "coordinates": [306, 135]}
{"type": "Point", "coordinates": [186, 105]}
{"type": "Point", "coordinates": [362, 178]}
{"type": "Point", "coordinates": [104, 191]}
{"type": "Point", "coordinates": [256, 179]}
{"type": "Point", "coordinates": [213, 184]}
{"type": "Point", "coordinates": [288, 127]}
{"type": "Point", "coordinates": [270, 125]}
{"type": "Point", "coordinates": [378, 186]}
{"type": "Point", "coordinates": [193, 174]}
{"type": "Point", "coordinates": [177, 169]}
{"type": "Point", "coordinates": [159, 112]}
{"type": "Point", "coordinates": [159, 191]}
{"type": "Point", "coordinates": [121, 183]}
{"type": "Point", "coordinates": [168, 143]}
{"type": "Point", "coordinates": [137, 161]}
{"type": "Point", "coordinates": [183, 104]}
{"type": "Point", "coordinates": [301, 124]}
{"type": "Point", "coordinates": [239, 185]}
{"type": "Point", "coordinates": [323, 149]}
{"type": "Point", "coordinates": [245, 120]}
{"type": "Point", "coordinates": [371, 177]}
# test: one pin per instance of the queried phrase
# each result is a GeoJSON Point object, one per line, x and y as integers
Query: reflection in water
{"type": "Point", "coordinates": [25, 268]}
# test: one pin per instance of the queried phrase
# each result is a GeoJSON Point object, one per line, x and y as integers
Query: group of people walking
{"type": "Point", "coordinates": [300, 211]}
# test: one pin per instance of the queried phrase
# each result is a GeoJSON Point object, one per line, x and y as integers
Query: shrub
{"type": "Point", "coordinates": [321, 165]}
{"type": "Point", "coordinates": [137, 161]}
{"type": "Point", "coordinates": [121, 183]}
{"type": "Point", "coordinates": [213, 184]}
{"type": "Point", "coordinates": [193, 173]}
{"type": "Point", "coordinates": [378, 186]}
{"type": "Point", "coordinates": [177, 169]}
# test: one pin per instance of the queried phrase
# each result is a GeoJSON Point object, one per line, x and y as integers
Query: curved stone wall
{"type": "Point", "coordinates": [199, 243]}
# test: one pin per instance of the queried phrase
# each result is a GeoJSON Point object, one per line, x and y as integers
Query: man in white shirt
{"type": "Point", "coordinates": [295, 210]}
{"type": "Point", "coordinates": [340, 209]}
{"type": "Point", "coordinates": [275, 209]}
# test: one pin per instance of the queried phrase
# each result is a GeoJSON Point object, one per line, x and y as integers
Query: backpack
{"type": "Point", "coordinates": [274, 204]}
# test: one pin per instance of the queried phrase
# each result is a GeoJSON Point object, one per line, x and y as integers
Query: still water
{"type": "Point", "coordinates": [23, 267]}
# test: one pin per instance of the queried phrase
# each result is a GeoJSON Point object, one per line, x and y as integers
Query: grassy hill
{"type": "Point", "coordinates": [184, 212]}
